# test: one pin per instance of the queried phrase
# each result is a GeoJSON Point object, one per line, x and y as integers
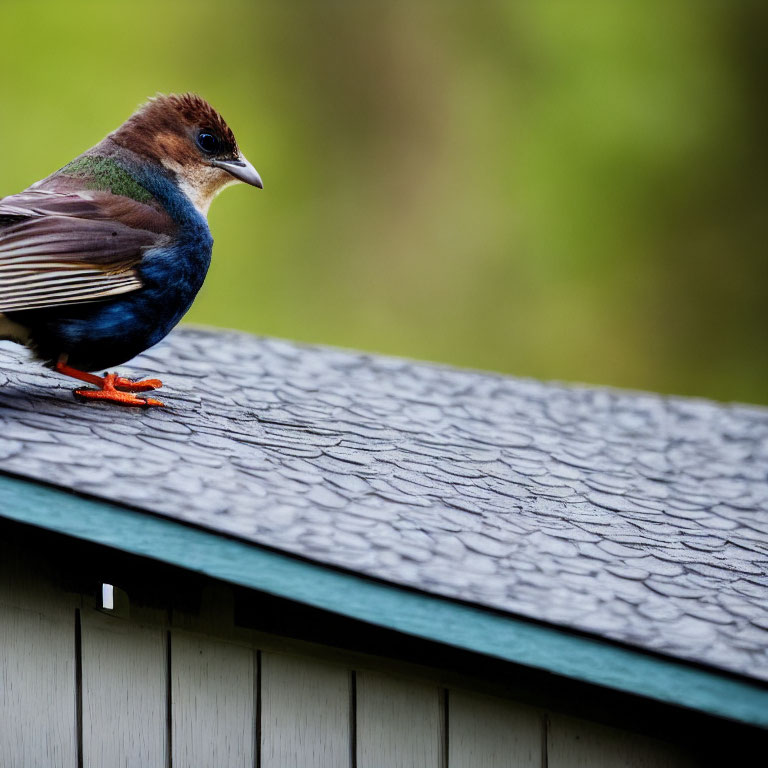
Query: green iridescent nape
{"type": "Point", "coordinates": [105, 174]}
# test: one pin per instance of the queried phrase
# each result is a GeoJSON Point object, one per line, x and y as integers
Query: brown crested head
{"type": "Point", "coordinates": [187, 136]}
{"type": "Point", "coordinates": [169, 126]}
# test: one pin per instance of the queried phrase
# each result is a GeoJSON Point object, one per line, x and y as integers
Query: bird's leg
{"type": "Point", "coordinates": [111, 387]}
{"type": "Point", "coordinates": [118, 382]}
{"type": "Point", "coordinates": [91, 378]}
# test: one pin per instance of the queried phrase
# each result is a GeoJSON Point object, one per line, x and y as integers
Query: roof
{"type": "Point", "coordinates": [626, 516]}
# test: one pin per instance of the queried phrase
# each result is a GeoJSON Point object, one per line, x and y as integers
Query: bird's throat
{"type": "Point", "coordinates": [200, 184]}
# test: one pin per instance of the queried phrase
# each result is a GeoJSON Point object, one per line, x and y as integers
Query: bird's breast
{"type": "Point", "coordinates": [172, 275]}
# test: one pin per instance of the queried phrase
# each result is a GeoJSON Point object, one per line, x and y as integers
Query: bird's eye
{"type": "Point", "coordinates": [207, 142]}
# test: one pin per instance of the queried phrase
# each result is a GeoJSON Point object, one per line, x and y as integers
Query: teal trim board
{"type": "Point", "coordinates": [472, 628]}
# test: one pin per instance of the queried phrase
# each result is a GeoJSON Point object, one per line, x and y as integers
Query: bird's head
{"type": "Point", "coordinates": [188, 137]}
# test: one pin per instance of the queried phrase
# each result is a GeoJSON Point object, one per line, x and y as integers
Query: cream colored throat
{"type": "Point", "coordinates": [200, 185]}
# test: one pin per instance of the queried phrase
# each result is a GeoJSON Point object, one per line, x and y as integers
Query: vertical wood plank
{"type": "Point", "coordinates": [398, 723]}
{"type": "Point", "coordinates": [212, 699]}
{"type": "Point", "coordinates": [124, 693]}
{"type": "Point", "coordinates": [37, 693]}
{"type": "Point", "coordinates": [486, 732]}
{"type": "Point", "coordinates": [305, 713]}
{"type": "Point", "coordinates": [37, 660]}
{"type": "Point", "coordinates": [573, 743]}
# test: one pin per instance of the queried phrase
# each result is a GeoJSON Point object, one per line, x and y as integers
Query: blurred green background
{"type": "Point", "coordinates": [570, 190]}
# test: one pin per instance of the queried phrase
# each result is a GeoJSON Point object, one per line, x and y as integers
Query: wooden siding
{"type": "Point", "coordinates": [37, 665]}
{"type": "Point", "coordinates": [212, 700]}
{"type": "Point", "coordinates": [304, 713]}
{"type": "Point", "coordinates": [155, 688]}
{"type": "Point", "coordinates": [487, 732]}
{"type": "Point", "coordinates": [37, 688]}
{"type": "Point", "coordinates": [574, 743]}
{"type": "Point", "coordinates": [123, 693]}
{"type": "Point", "coordinates": [398, 723]}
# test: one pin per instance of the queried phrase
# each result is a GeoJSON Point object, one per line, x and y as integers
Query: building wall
{"type": "Point", "coordinates": [151, 685]}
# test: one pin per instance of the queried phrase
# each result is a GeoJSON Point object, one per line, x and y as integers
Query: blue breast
{"type": "Point", "coordinates": [105, 334]}
{"type": "Point", "coordinates": [172, 275]}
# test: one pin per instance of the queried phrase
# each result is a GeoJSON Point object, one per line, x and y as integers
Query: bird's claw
{"type": "Point", "coordinates": [144, 385]}
{"type": "Point", "coordinates": [113, 391]}
{"type": "Point", "coordinates": [112, 388]}
{"type": "Point", "coordinates": [116, 396]}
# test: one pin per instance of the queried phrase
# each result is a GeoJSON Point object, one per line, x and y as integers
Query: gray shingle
{"type": "Point", "coordinates": [632, 516]}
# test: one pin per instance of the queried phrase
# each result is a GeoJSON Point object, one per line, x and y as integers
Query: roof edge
{"type": "Point", "coordinates": [434, 618]}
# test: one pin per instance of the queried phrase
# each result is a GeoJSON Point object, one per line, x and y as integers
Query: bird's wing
{"type": "Point", "coordinates": [66, 247]}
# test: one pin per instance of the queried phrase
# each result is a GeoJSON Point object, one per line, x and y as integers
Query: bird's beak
{"type": "Point", "coordinates": [241, 169]}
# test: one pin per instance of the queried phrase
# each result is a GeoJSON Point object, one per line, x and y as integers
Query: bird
{"type": "Point", "coordinates": [101, 259]}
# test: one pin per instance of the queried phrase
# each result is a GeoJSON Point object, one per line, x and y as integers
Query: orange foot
{"type": "Point", "coordinates": [134, 386]}
{"type": "Point", "coordinates": [112, 388]}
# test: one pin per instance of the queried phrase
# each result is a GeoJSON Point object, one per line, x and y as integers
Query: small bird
{"type": "Point", "coordinates": [101, 259]}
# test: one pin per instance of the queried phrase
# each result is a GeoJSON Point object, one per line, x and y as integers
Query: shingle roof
{"type": "Point", "coordinates": [630, 516]}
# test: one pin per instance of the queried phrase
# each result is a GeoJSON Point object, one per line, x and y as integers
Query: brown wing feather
{"type": "Point", "coordinates": [64, 247]}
